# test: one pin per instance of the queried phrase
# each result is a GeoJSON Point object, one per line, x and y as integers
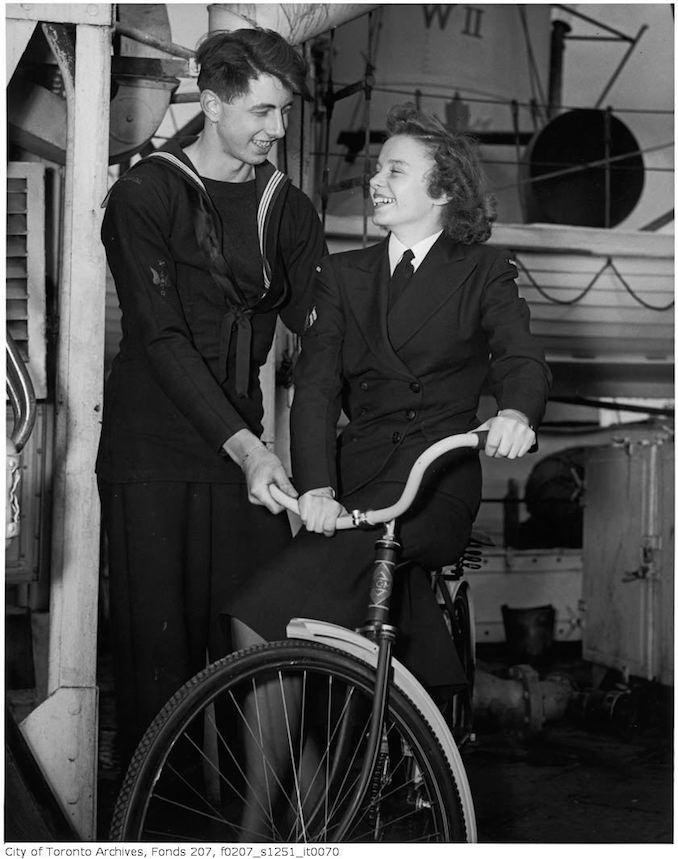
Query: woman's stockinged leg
{"type": "Point", "coordinates": [243, 636]}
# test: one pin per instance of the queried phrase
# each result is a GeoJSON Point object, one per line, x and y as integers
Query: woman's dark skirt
{"type": "Point", "coordinates": [329, 578]}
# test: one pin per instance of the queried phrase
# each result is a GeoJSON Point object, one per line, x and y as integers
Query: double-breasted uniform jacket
{"type": "Point", "coordinates": [409, 377]}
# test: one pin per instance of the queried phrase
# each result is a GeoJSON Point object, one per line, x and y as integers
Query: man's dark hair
{"type": "Point", "coordinates": [457, 172]}
{"type": "Point", "coordinates": [229, 61]}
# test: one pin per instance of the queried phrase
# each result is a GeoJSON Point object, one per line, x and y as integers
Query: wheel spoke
{"type": "Point", "coordinates": [270, 745]}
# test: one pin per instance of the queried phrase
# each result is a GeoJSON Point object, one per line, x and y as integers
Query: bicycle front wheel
{"type": "Point", "coordinates": [210, 767]}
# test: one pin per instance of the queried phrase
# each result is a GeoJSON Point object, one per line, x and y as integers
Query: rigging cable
{"type": "Point", "coordinates": [535, 82]}
{"type": "Point", "coordinates": [448, 94]}
{"type": "Point", "coordinates": [515, 119]}
{"type": "Point", "coordinates": [365, 86]}
{"type": "Point", "coordinates": [578, 168]}
{"type": "Point", "coordinates": [369, 81]}
{"type": "Point", "coordinates": [329, 107]}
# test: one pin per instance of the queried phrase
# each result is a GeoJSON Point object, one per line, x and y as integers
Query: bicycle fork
{"type": "Point", "coordinates": [377, 629]}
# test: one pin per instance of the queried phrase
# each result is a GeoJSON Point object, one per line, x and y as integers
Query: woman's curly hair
{"type": "Point", "coordinates": [470, 212]}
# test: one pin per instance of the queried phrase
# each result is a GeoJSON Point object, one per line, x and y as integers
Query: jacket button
{"type": "Point", "coordinates": [364, 386]}
{"type": "Point", "coordinates": [396, 437]}
{"type": "Point", "coordinates": [410, 414]}
{"type": "Point", "coordinates": [415, 386]}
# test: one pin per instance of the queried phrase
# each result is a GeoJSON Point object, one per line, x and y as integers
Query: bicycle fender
{"type": "Point", "coordinates": [359, 647]}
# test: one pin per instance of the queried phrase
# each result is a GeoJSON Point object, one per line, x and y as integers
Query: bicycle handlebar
{"type": "Point", "coordinates": [386, 514]}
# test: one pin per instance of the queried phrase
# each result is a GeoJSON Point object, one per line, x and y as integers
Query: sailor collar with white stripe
{"type": "Point", "coordinates": [276, 178]}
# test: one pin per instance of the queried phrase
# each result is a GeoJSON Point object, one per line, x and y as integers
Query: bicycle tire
{"type": "Point", "coordinates": [416, 796]}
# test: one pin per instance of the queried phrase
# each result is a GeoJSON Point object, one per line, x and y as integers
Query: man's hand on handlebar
{"type": "Point", "coordinates": [509, 435]}
{"type": "Point", "coordinates": [261, 469]}
{"type": "Point", "coordinates": [319, 511]}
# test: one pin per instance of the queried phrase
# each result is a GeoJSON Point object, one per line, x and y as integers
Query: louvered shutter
{"type": "Point", "coordinates": [25, 267]}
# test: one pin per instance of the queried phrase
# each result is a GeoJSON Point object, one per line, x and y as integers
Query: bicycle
{"type": "Point", "coordinates": [369, 755]}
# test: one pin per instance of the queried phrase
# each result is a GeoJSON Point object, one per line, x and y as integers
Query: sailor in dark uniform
{"type": "Point", "coordinates": [208, 245]}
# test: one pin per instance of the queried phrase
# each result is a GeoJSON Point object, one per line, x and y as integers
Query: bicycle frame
{"type": "Point", "coordinates": [391, 762]}
{"type": "Point", "coordinates": [373, 644]}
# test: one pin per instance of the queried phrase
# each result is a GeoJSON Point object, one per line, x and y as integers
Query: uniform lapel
{"type": "Point", "coordinates": [441, 274]}
{"type": "Point", "coordinates": [368, 298]}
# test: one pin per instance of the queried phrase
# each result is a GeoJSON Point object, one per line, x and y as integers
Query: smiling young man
{"type": "Point", "coordinates": [208, 245]}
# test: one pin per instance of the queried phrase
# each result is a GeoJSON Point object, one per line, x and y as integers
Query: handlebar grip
{"type": "Point", "coordinates": [283, 498]}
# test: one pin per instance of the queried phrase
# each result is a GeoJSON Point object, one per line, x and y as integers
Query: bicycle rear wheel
{"type": "Point", "coordinates": [461, 623]}
{"type": "Point", "coordinates": [189, 779]}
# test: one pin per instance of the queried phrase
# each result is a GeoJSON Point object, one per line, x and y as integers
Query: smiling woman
{"type": "Point", "coordinates": [433, 174]}
{"type": "Point", "coordinates": [399, 191]}
{"type": "Point", "coordinates": [408, 371]}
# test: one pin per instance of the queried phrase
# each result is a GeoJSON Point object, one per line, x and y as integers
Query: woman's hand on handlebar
{"type": "Point", "coordinates": [319, 511]}
{"type": "Point", "coordinates": [509, 435]}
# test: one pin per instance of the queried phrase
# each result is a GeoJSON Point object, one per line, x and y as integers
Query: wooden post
{"type": "Point", "coordinates": [62, 731]}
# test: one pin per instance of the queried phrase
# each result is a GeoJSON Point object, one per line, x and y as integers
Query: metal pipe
{"type": "Point", "coordinates": [21, 393]}
{"type": "Point", "coordinates": [559, 31]}
{"type": "Point", "coordinates": [607, 139]}
{"type": "Point", "coordinates": [572, 11]}
{"type": "Point", "coordinates": [142, 37]}
{"type": "Point", "coordinates": [523, 700]}
{"type": "Point", "coordinates": [658, 223]}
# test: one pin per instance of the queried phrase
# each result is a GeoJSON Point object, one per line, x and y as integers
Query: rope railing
{"type": "Point", "coordinates": [608, 264]}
